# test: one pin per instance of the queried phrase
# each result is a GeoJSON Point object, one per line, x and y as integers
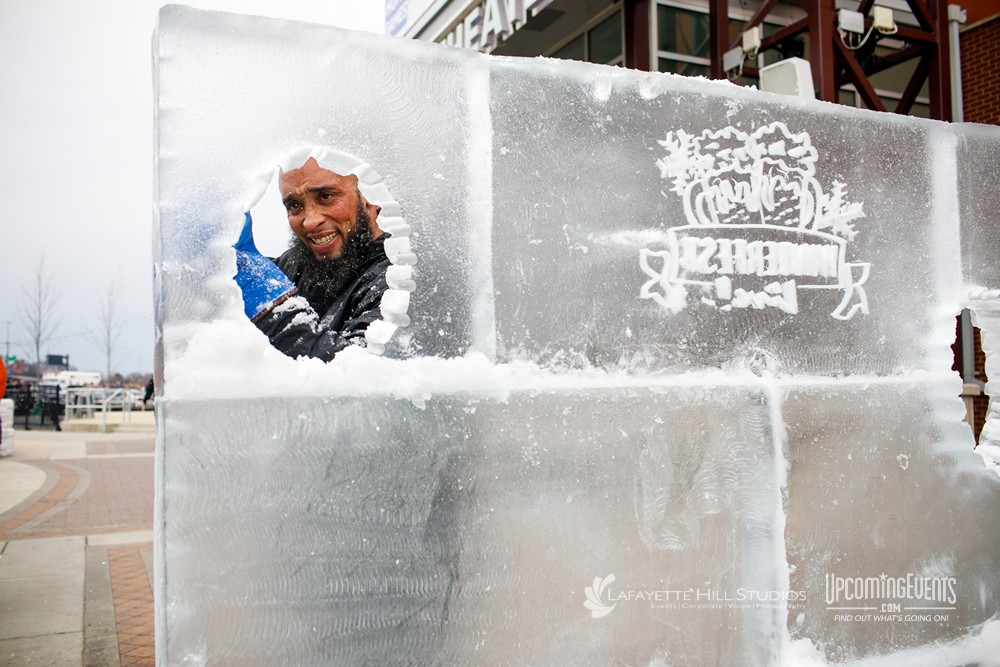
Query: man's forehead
{"type": "Point", "coordinates": [311, 173]}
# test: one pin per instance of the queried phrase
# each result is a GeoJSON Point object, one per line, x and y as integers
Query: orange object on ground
{"type": "Point", "coordinates": [3, 378]}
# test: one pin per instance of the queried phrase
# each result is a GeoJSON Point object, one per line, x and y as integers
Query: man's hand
{"type": "Point", "coordinates": [261, 280]}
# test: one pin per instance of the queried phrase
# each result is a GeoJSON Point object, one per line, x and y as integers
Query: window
{"type": "Point", "coordinates": [602, 43]}
{"type": "Point", "coordinates": [575, 50]}
{"type": "Point", "coordinates": [682, 32]}
{"type": "Point", "coordinates": [682, 45]}
{"type": "Point", "coordinates": [683, 40]}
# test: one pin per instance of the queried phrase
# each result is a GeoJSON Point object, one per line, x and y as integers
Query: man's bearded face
{"type": "Point", "coordinates": [322, 207]}
{"type": "Point", "coordinates": [321, 280]}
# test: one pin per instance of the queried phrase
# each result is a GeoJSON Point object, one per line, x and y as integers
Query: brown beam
{"type": "Point", "coordinates": [891, 61]}
{"type": "Point", "coordinates": [637, 47]}
{"type": "Point", "coordinates": [922, 13]}
{"type": "Point", "coordinates": [913, 35]}
{"type": "Point", "coordinates": [820, 18]}
{"type": "Point", "coordinates": [858, 78]}
{"type": "Point", "coordinates": [866, 6]}
{"type": "Point", "coordinates": [913, 87]}
{"type": "Point", "coordinates": [718, 35]}
{"type": "Point", "coordinates": [939, 71]}
{"type": "Point", "coordinates": [758, 16]}
{"type": "Point", "coordinates": [776, 38]}
{"type": "Point", "coordinates": [898, 57]}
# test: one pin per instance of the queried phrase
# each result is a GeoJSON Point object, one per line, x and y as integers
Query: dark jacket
{"type": "Point", "coordinates": [322, 335]}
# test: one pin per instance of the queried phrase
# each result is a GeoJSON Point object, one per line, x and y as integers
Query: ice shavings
{"type": "Point", "coordinates": [400, 277]}
{"type": "Point", "coordinates": [982, 649]}
{"type": "Point", "coordinates": [984, 305]}
{"type": "Point", "coordinates": [218, 351]}
{"type": "Point", "coordinates": [292, 303]}
{"type": "Point", "coordinates": [395, 303]}
{"type": "Point", "coordinates": [990, 453]}
{"type": "Point", "coordinates": [305, 317]}
{"type": "Point", "coordinates": [632, 239]}
{"type": "Point", "coordinates": [803, 653]}
{"type": "Point", "coordinates": [978, 293]}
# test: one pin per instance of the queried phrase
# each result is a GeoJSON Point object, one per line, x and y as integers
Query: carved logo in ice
{"type": "Point", "coordinates": [760, 226]}
{"type": "Point", "coordinates": [598, 607]}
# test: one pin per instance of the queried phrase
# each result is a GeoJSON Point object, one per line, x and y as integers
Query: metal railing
{"type": "Point", "coordinates": [84, 402]}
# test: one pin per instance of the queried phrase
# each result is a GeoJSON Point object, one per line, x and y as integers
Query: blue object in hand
{"type": "Point", "coordinates": [260, 279]}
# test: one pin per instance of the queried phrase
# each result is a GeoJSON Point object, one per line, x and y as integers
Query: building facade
{"type": "Point", "coordinates": [664, 35]}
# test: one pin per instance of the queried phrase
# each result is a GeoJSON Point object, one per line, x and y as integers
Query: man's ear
{"type": "Point", "coordinates": [373, 210]}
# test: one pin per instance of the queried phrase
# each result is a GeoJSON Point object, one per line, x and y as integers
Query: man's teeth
{"type": "Point", "coordinates": [324, 239]}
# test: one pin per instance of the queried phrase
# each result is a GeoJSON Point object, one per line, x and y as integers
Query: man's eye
{"type": "Point", "coordinates": [325, 196]}
{"type": "Point", "coordinates": [292, 207]}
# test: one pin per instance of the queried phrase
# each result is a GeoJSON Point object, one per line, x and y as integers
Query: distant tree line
{"type": "Point", "coordinates": [37, 313]}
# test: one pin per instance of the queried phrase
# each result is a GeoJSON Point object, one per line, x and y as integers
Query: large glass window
{"type": "Point", "coordinates": [605, 40]}
{"type": "Point", "coordinates": [575, 50]}
{"type": "Point", "coordinates": [601, 43]}
{"type": "Point", "coordinates": [682, 45]}
{"type": "Point", "coordinates": [683, 32]}
{"type": "Point", "coordinates": [683, 35]}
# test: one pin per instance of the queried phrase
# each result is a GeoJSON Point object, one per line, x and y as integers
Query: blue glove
{"type": "Point", "coordinates": [260, 279]}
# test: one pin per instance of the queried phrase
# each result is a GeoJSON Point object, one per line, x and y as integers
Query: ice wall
{"type": "Point", "coordinates": [676, 387]}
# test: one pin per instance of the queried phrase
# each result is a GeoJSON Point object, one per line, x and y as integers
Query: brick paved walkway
{"type": "Point", "coordinates": [133, 605]}
{"type": "Point", "coordinates": [107, 492]}
{"type": "Point", "coordinates": [86, 497]}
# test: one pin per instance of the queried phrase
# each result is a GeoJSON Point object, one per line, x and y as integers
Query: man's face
{"type": "Point", "coordinates": [322, 207]}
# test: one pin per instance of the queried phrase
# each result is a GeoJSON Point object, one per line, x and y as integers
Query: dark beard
{"type": "Point", "coordinates": [321, 281]}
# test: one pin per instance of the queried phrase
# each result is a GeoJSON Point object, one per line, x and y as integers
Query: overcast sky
{"type": "Point", "coordinates": [76, 156]}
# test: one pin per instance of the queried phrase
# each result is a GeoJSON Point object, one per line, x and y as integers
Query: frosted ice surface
{"type": "Point", "coordinates": [867, 499]}
{"type": "Point", "coordinates": [567, 266]}
{"type": "Point", "coordinates": [255, 99]}
{"type": "Point", "coordinates": [372, 532]}
{"type": "Point", "coordinates": [978, 160]}
{"type": "Point", "coordinates": [698, 375]}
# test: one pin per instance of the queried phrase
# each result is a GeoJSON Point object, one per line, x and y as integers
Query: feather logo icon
{"type": "Point", "coordinates": [598, 608]}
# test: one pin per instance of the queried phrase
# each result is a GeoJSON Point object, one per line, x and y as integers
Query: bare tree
{"type": "Point", "coordinates": [110, 322]}
{"type": "Point", "coordinates": [35, 310]}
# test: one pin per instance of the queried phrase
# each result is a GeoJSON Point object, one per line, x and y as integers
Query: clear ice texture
{"type": "Point", "coordinates": [676, 387]}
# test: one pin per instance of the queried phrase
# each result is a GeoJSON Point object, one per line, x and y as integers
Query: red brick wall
{"type": "Point", "coordinates": [981, 403]}
{"type": "Point", "coordinates": [981, 71]}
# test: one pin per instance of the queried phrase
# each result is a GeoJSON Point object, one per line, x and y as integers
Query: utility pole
{"type": "Point", "coordinates": [6, 355]}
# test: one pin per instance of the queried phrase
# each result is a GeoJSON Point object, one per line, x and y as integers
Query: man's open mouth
{"type": "Point", "coordinates": [324, 240]}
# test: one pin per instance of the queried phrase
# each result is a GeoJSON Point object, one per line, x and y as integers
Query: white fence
{"type": "Point", "coordinates": [84, 402]}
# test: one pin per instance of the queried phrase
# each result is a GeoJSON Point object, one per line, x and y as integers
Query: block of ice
{"type": "Point", "coordinates": [666, 373]}
{"type": "Point", "coordinates": [656, 208]}
{"type": "Point", "coordinates": [865, 531]}
{"type": "Point", "coordinates": [368, 531]}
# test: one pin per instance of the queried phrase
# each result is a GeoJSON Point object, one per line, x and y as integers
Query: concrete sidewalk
{"type": "Point", "coordinates": [76, 512]}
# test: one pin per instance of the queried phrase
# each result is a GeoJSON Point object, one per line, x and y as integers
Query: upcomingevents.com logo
{"type": "Point", "coordinates": [598, 608]}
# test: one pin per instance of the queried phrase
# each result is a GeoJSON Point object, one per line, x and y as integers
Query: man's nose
{"type": "Point", "coordinates": [311, 216]}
